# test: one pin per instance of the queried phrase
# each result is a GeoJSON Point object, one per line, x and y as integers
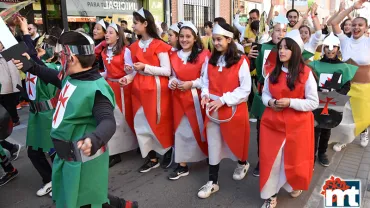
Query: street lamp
{"type": "Point", "coordinates": [292, 4]}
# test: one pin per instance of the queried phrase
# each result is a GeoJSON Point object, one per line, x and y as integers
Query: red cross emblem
{"type": "Point", "coordinates": [30, 80]}
{"type": "Point", "coordinates": [62, 99]}
{"type": "Point", "coordinates": [328, 101]}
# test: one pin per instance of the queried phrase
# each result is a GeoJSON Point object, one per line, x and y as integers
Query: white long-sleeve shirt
{"type": "Point", "coordinates": [164, 61]}
{"type": "Point", "coordinates": [184, 57]}
{"type": "Point", "coordinates": [239, 94]}
{"type": "Point", "coordinates": [314, 41]}
{"type": "Point", "coordinates": [309, 103]}
{"type": "Point", "coordinates": [356, 49]}
{"type": "Point", "coordinates": [239, 27]}
{"type": "Point", "coordinates": [128, 60]}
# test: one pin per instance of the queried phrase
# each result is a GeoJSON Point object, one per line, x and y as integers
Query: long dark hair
{"type": "Point", "coordinates": [197, 47]}
{"type": "Point", "coordinates": [342, 27]}
{"type": "Point", "coordinates": [295, 65]}
{"type": "Point", "coordinates": [117, 49]}
{"type": "Point", "coordinates": [232, 55]}
{"type": "Point", "coordinates": [97, 42]}
{"type": "Point", "coordinates": [151, 28]}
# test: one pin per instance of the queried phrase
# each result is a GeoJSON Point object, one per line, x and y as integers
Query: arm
{"type": "Point", "coordinates": [241, 93]}
{"type": "Point", "coordinates": [271, 13]}
{"type": "Point", "coordinates": [198, 83]}
{"type": "Point", "coordinates": [311, 101]}
{"type": "Point", "coordinates": [172, 78]}
{"type": "Point", "coordinates": [128, 61]}
{"type": "Point", "coordinates": [99, 49]}
{"type": "Point", "coordinates": [266, 95]}
{"type": "Point", "coordinates": [339, 18]}
{"type": "Point", "coordinates": [329, 22]}
{"type": "Point", "coordinates": [130, 77]}
{"type": "Point", "coordinates": [163, 70]}
{"type": "Point", "coordinates": [106, 123]}
{"type": "Point", "coordinates": [45, 74]}
{"type": "Point", "coordinates": [237, 24]}
{"type": "Point", "coordinates": [301, 20]}
{"type": "Point", "coordinates": [205, 84]}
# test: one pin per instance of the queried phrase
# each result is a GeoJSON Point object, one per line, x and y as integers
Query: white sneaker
{"type": "Point", "coordinates": [240, 171]}
{"type": "Point", "coordinates": [51, 194]}
{"type": "Point", "coordinates": [44, 190]}
{"type": "Point", "coordinates": [364, 137]}
{"type": "Point", "coordinates": [270, 203]}
{"type": "Point", "coordinates": [208, 189]}
{"type": "Point", "coordinates": [339, 146]}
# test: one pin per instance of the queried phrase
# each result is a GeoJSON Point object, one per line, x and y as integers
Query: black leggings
{"type": "Point", "coordinates": [213, 171]}
{"type": "Point", "coordinates": [39, 161]}
{"type": "Point", "coordinates": [6, 164]}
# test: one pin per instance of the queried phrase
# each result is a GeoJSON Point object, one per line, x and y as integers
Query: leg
{"type": "Point", "coordinates": [14, 149]}
{"type": "Point", "coordinates": [10, 171]}
{"type": "Point", "coordinates": [151, 163]}
{"type": "Point", "coordinates": [114, 159]}
{"type": "Point", "coordinates": [241, 170]}
{"type": "Point", "coordinates": [181, 170]}
{"type": "Point", "coordinates": [41, 164]}
{"type": "Point", "coordinates": [317, 138]}
{"type": "Point", "coordinates": [323, 146]}
{"type": "Point", "coordinates": [256, 171]}
{"type": "Point", "coordinates": [212, 184]}
{"type": "Point", "coordinates": [364, 137]}
{"type": "Point", "coordinates": [167, 159]}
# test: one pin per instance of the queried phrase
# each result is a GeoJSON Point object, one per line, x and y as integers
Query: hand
{"type": "Point", "coordinates": [123, 81]}
{"type": "Point", "coordinates": [40, 52]}
{"type": "Point", "coordinates": [205, 101]}
{"type": "Point", "coordinates": [314, 9]}
{"type": "Point", "coordinates": [253, 53]}
{"type": "Point", "coordinates": [18, 63]}
{"type": "Point", "coordinates": [129, 69]}
{"type": "Point", "coordinates": [85, 145]}
{"type": "Point", "coordinates": [273, 3]}
{"type": "Point", "coordinates": [23, 25]}
{"type": "Point", "coordinates": [358, 4]}
{"type": "Point", "coordinates": [185, 85]}
{"type": "Point", "coordinates": [139, 66]}
{"type": "Point", "coordinates": [215, 105]}
{"type": "Point", "coordinates": [342, 6]}
{"type": "Point", "coordinates": [283, 103]}
{"type": "Point", "coordinates": [273, 106]}
{"type": "Point", "coordinates": [173, 85]}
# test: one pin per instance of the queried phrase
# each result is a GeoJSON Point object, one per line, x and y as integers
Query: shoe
{"type": "Point", "coordinates": [364, 137]}
{"type": "Point", "coordinates": [270, 203]}
{"type": "Point", "coordinates": [323, 160]}
{"type": "Point", "coordinates": [8, 177]}
{"type": "Point", "coordinates": [44, 190]}
{"type": "Point", "coordinates": [115, 201]}
{"type": "Point", "coordinates": [296, 193]}
{"type": "Point", "coordinates": [167, 159]}
{"type": "Point", "coordinates": [240, 171]}
{"type": "Point", "coordinates": [19, 106]}
{"type": "Point", "coordinates": [339, 146]}
{"type": "Point", "coordinates": [129, 204]}
{"type": "Point", "coordinates": [208, 189]}
{"type": "Point", "coordinates": [114, 159]}
{"type": "Point", "coordinates": [179, 172]}
{"type": "Point", "coordinates": [14, 153]}
{"type": "Point", "coordinates": [24, 104]}
{"type": "Point", "coordinates": [148, 166]}
{"type": "Point", "coordinates": [16, 124]}
{"type": "Point", "coordinates": [51, 194]}
{"type": "Point", "coordinates": [256, 171]}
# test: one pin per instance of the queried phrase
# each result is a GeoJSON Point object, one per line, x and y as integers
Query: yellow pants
{"type": "Point", "coordinates": [360, 104]}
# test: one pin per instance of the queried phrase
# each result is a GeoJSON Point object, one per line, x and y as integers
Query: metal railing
{"type": "Point", "coordinates": [198, 12]}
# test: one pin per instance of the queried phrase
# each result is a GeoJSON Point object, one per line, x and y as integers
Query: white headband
{"type": "Point", "coordinates": [102, 23]}
{"type": "Point", "coordinates": [175, 27]}
{"type": "Point", "coordinates": [114, 26]}
{"type": "Point", "coordinates": [190, 25]}
{"type": "Point", "coordinates": [141, 12]}
{"type": "Point", "coordinates": [218, 30]}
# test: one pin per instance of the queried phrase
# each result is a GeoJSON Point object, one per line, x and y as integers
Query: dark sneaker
{"type": "Point", "coordinates": [167, 159]}
{"type": "Point", "coordinates": [179, 172]}
{"type": "Point", "coordinates": [129, 204]}
{"type": "Point", "coordinates": [115, 201]}
{"type": "Point", "coordinates": [323, 159]}
{"type": "Point", "coordinates": [148, 165]}
{"type": "Point", "coordinates": [14, 153]}
{"type": "Point", "coordinates": [114, 159]}
{"type": "Point", "coordinates": [8, 177]}
{"type": "Point", "coordinates": [256, 171]}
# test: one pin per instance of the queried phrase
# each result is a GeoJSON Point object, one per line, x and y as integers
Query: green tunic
{"type": "Point", "coordinates": [39, 124]}
{"type": "Point", "coordinates": [75, 183]}
{"type": "Point", "coordinates": [2, 153]}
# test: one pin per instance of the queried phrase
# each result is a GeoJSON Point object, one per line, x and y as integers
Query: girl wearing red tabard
{"type": "Point", "coordinates": [188, 64]}
{"type": "Point", "coordinates": [287, 125]}
{"type": "Point", "coordinates": [100, 29]}
{"type": "Point", "coordinates": [151, 97]}
{"type": "Point", "coordinates": [116, 57]}
{"type": "Point", "coordinates": [226, 85]}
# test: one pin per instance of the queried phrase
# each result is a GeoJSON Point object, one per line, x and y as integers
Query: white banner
{"type": "Point", "coordinates": [6, 37]}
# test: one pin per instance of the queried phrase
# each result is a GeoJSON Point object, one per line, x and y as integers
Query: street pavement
{"type": "Point", "coordinates": [153, 189]}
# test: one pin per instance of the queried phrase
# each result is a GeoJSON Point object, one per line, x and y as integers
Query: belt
{"type": "Point", "coordinates": [36, 107]}
{"type": "Point", "coordinates": [234, 108]}
{"type": "Point", "coordinates": [158, 84]}
{"type": "Point", "coordinates": [68, 151]}
{"type": "Point", "coordinates": [122, 94]}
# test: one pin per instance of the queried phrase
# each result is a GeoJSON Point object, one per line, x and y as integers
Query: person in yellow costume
{"type": "Point", "coordinates": [207, 39]}
{"type": "Point", "coordinates": [355, 50]}
{"type": "Point", "coordinates": [248, 35]}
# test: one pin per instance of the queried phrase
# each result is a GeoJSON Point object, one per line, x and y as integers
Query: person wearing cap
{"type": "Point", "coordinates": [151, 96]}
{"type": "Point", "coordinates": [116, 56]}
{"type": "Point", "coordinates": [355, 50]}
{"type": "Point", "coordinates": [287, 124]}
{"type": "Point", "coordinates": [277, 33]}
{"type": "Point", "coordinates": [173, 36]}
{"type": "Point", "coordinates": [188, 64]}
{"type": "Point", "coordinates": [80, 135]}
{"type": "Point", "coordinates": [225, 103]}
{"type": "Point", "coordinates": [99, 32]}
{"type": "Point", "coordinates": [325, 69]}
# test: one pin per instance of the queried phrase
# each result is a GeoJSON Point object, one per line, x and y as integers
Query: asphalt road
{"type": "Point", "coordinates": [153, 189]}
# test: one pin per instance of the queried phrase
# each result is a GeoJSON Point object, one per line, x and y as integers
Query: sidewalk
{"type": "Point", "coordinates": [353, 162]}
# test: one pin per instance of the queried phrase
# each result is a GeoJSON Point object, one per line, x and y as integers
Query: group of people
{"type": "Point", "coordinates": [189, 100]}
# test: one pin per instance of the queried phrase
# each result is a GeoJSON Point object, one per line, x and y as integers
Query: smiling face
{"type": "Point", "coordinates": [111, 37]}
{"type": "Point", "coordinates": [359, 28]}
{"type": "Point", "coordinates": [293, 18]}
{"type": "Point", "coordinates": [278, 33]}
{"type": "Point", "coordinates": [305, 34]}
{"type": "Point", "coordinates": [187, 39]}
{"type": "Point", "coordinates": [331, 54]}
{"type": "Point", "coordinates": [221, 42]}
{"type": "Point", "coordinates": [98, 32]}
{"type": "Point", "coordinates": [172, 38]}
{"type": "Point", "coordinates": [284, 52]}
{"type": "Point", "coordinates": [347, 27]}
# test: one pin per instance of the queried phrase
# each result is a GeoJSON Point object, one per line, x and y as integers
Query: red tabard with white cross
{"type": "Point", "coordinates": [296, 128]}
{"type": "Point", "coordinates": [236, 131]}
{"type": "Point", "coordinates": [183, 103]}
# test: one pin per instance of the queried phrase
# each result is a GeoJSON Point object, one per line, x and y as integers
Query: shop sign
{"type": "Point", "coordinates": [101, 7]}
